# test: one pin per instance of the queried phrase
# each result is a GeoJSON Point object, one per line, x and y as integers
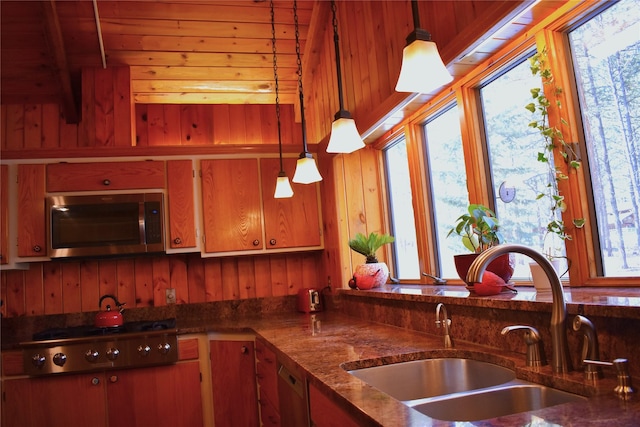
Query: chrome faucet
{"type": "Point", "coordinates": [590, 349]}
{"type": "Point", "coordinates": [559, 345]}
{"type": "Point", "coordinates": [445, 323]}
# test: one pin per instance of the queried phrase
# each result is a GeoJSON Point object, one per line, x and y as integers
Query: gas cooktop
{"type": "Point", "coordinates": [88, 348]}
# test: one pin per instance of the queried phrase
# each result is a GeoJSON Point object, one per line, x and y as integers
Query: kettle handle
{"type": "Point", "coordinates": [118, 303]}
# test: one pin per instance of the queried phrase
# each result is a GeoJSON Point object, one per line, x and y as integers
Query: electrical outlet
{"type": "Point", "coordinates": [170, 295]}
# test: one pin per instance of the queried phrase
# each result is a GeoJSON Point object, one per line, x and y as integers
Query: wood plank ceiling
{"type": "Point", "coordinates": [179, 51]}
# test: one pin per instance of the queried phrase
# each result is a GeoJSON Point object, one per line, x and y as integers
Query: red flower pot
{"type": "Point", "coordinates": [502, 266]}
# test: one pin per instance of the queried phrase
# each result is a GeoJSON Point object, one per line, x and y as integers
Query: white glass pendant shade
{"type": "Point", "coordinates": [345, 137]}
{"type": "Point", "coordinates": [306, 170]}
{"type": "Point", "coordinates": [422, 68]}
{"type": "Point", "coordinates": [283, 187]}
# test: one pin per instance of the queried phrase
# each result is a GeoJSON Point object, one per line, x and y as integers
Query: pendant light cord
{"type": "Point", "coordinates": [336, 42]}
{"type": "Point", "coordinates": [275, 77]}
{"type": "Point", "coordinates": [299, 61]}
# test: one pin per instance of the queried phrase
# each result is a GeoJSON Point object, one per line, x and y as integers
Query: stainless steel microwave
{"type": "Point", "coordinates": [79, 226]}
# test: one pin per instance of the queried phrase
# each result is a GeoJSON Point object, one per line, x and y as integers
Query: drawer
{"type": "Point", "coordinates": [268, 414]}
{"type": "Point", "coordinates": [105, 176]}
{"type": "Point", "coordinates": [268, 382]}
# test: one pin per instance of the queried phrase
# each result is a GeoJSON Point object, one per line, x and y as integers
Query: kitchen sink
{"type": "Point", "coordinates": [501, 401]}
{"type": "Point", "coordinates": [458, 389]}
{"type": "Point", "coordinates": [419, 379]}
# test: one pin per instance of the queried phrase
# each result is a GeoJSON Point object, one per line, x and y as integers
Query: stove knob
{"type": "Point", "coordinates": [164, 348]}
{"type": "Point", "coordinates": [91, 356]}
{"type": "Point", "coordinates": [113, 353]}
{"type": "Point", "coordinates": [38, 360]}
{"type": "Point", "coordinates": [59, 359]}
{"type": "Point", "coordinates": [143, 350]}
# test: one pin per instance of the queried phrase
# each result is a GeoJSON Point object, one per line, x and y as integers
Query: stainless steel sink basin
{"type": "Point", "coordinates": [501, 401]}
{"type": "Point", "coordinates": [419, 379]}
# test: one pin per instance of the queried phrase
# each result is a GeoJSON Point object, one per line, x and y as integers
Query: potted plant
{"type": "Point", "coordinates": [372, 273]}
{"type": "Point", "coordinates": [479, 230]}
{"type": "Point", "coordinates": [556, 230]}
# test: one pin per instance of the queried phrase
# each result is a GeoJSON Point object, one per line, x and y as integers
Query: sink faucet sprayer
{"type": "Point", "coordinates": [590, 349]}
{"type": "Point", "coordinates": [446, 322]}
{"type": "Point", "coordinates": [559, 345]}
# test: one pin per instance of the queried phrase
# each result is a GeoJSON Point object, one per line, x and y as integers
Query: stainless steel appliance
{"type": "Point", "coordinates": [89, 348]}
{"type": "Point", "coordinates": [108, 224]}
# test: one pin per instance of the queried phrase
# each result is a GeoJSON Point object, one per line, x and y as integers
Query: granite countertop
{"type": "Point", "coordinates": [322, 344]}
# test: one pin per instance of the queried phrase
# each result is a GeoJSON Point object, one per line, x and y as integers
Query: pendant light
{"type": "Point", "coordinates": [306, 167]}
{"type": "Point", "coordinates": [283, 186]}
{"type": "Point", "coordinates": [345, 137]}
{"type": "Point", "coordinates": [422, 68]}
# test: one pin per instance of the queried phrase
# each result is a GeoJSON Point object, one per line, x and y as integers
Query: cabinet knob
{"type": "Point", "coordinates": [113, 378]}
{"type": "Point", "coordinates": [95, 381]}
{"type": "Point", "coordinates": [256, 242]}
{"type": "Point", "coordinates": [106, 182]}
{"type": "Point", "coordinates": [177, 241]}
{"type": "Point", "coordinates": [272, 242]}
{"type": "Point", "coordinates": [244, 349]}
{"type": "Point", "coordinates": [37, 248]}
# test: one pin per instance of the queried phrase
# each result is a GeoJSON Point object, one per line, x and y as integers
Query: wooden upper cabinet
{"type": "Point", "coordinates": [292, 222]}
{"type": "Point", "coordinates": [182, 229]}
{"type": "Point", "coordinates": [231, 205]}
{"type": "Point", "coordinates": [105, 176]}
{"type": "Point", "coordinates": [4, 214]}
{"type": "Point", "coordinates": [31, 214]}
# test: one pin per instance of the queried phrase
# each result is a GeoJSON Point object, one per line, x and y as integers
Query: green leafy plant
{"type": "Point", "coordinates": [368, 245]}
{"type": "Point", "coordinates": [479, 228]}
{"type": "Point", "coordinates": [554, 142]}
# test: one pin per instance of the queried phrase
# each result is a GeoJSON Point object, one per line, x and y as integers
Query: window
{"type": "Point", "coordinates": [606, 57]}
{"type": "Point", "coordinates": [513, 150]}
{"type": "Point", "coordinates": [448, 179]}
{"type": "Point", "coordinates": [406, 260]}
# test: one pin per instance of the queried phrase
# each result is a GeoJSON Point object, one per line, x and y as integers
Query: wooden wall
{"type": "Point", "coordinates": [68, 287]}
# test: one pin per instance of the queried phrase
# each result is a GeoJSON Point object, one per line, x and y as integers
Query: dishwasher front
{"type": "Point", "coordinates": [294, 398]}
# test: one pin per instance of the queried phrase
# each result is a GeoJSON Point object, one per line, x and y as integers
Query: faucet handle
{"type": "Point", "coordinates": [532, 339]}
{"type": "Point", "coordinates": [624, 390]}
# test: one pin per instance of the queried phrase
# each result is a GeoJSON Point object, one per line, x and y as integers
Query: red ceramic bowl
{"type": "Point", "coordinates": [502, 266]}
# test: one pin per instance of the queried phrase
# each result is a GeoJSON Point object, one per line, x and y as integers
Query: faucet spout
{"type": "Point", "coordinates": [560, 360]}
{"type": "Point", "coordinates": [446, 322]}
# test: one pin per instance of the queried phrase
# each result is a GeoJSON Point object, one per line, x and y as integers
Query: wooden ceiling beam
{"type": "Point", "coordinates": [56, 42]}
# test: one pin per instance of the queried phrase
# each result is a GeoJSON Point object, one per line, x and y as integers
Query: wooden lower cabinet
{"type": "Point", "coordinates": [164, 396]}
{"type": "Point", "coordinates": [57, 401]}
{"type": "Point", "coordinates": [233, 383]}
{"type": "Point", "coordinates": [326, 413]}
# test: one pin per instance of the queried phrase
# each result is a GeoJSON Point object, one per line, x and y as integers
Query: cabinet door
{"type": "Point", "coordinates": [164, 396]}
{"type": "Point", "coordinates": [182, 229]}
{"type": "Point", "coordinates": [231, 205]}
{"type": "Point", "coordinates": [31, 215]}
{"type": "Point", "coordinates": [233, 382]}
{"type": "Point", "coordinates": [326, 413]}
{"type": "Point", "coordinates": [292, 222]}
{"type": "Point", "coordinates": [64, 401]}
{"type": "Point", "coordinates": [105, 176]}
{"type": "Point", "coordinates": [4, 214]}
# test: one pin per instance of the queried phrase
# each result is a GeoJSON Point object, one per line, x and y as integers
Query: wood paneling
{"type": "Point", "coordinates": [58, 287]}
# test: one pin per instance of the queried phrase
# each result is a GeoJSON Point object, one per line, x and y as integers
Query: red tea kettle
{"type": "Point", "coordinates": [109, 318]}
